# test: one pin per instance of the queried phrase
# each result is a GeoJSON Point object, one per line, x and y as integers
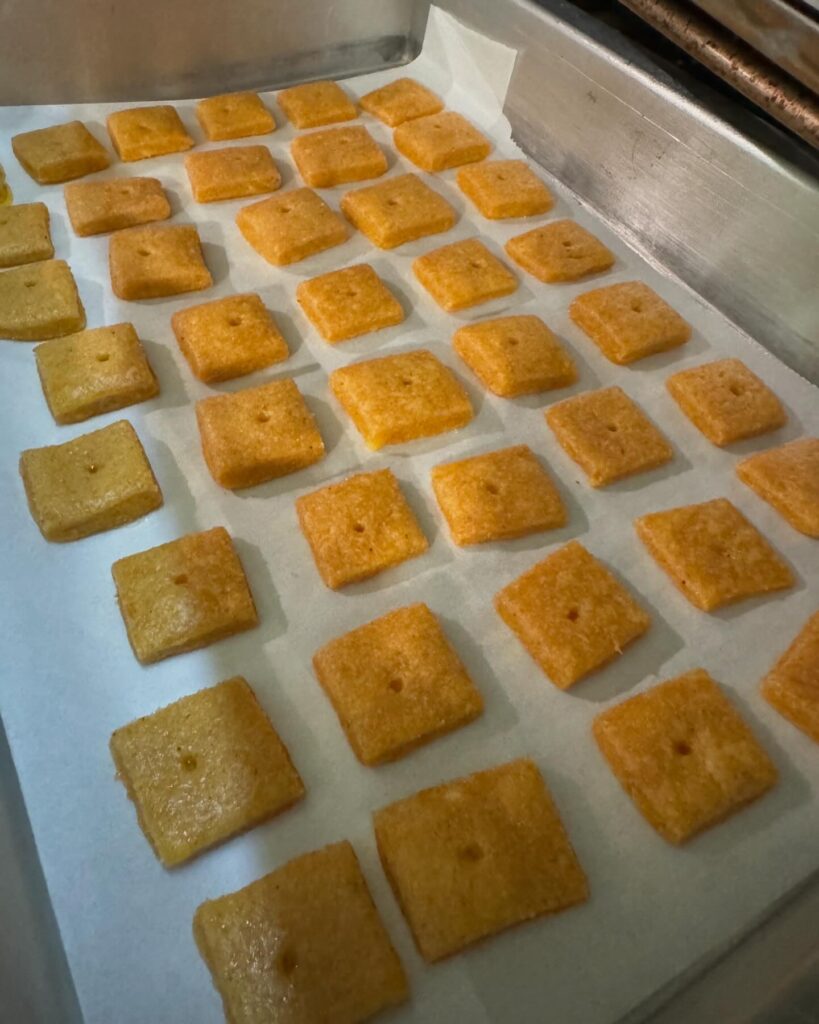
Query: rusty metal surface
{"type": "Point", "coordinates": [784, 31]}
{"type": "Point", "coordinates": [757, 78]}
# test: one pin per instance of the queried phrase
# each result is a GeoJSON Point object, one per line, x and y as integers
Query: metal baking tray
{"type": "Point", "coordinates": [734, 214]}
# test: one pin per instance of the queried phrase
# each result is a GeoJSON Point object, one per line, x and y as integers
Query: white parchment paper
{"type": "Point", "coordinates": [68, 677]}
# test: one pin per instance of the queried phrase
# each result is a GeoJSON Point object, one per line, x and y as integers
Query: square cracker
{"type": "Point", "coordinates": [792, 685]}
{"type": "Point", "coordinates": [401, 397]}
{"type": "Point", "coordinates": [228, 337]}
{"type": "Point", "coordinates": [94, 371]}
{"type": "Point", "coordinates": [95, 207]}
{"type": "Point", "coordinates": [359, 527]}
{"type": "Point", "coordinates": [504, 188]}
{"type": "Point", "coordinates": [142, 132]}
{"type": "Point", "coordinates": [401, 100]}
{"type": "Point", "coordinates": [231, 172]}
{"type": "Point", "coordinates": [629, 321]}
{"type": "Point", "coordinates": [712, 554]}
{"type": "Point", "coordinates": [571, 614]}
{"type": "Point", "coordinates": [398, 210]}
{"type": "Point", "coordinates": [258, 434]}
{"type": "Point", "coordinates": [337, 156]}
{"type": "Point", "coordinates": [440, 141]}
{"type": "Point", "coordinates": [204, 769]}
{"type": "Point", "coordinates": [788, 479]}
{"type": "Point", "coordinates": [152, 262]}
{"type": "Point", "coordinates": [303, 944]}
{"type": "Point", "coordinates": [347, 303]}
{"type": "Point", "coordinates": [497, 496]}
{"type": "Point", "coordinates": [24, 234]}
{"type": "Point", "coordinates": [474, 856]}
{"type": "Point", "coordinates": [608, 435]}
{"type": "Point", "coordinates": [463, 274]}
{"type": "Point", "coordinates": [396, 683]}
{"type": "Point", "coordinates": [515, 355]}
{"type": "Point", "coordinates": [96, 482]}
{"type": "Point", "coordinates": [59, 153]}
{"type": "Point", "coordinates": [559, 251]}
{"type": "Point", "coordinates": [290, 227]}
{"type": "Point", "coordinates": [234, 115]}
{"type": "Point", "coordinates": [726, 401]}
{"type": "Point", "coordinates": [183, 595]}
{"type": "Point", "coordinates": [684, 755]}
{"type": "Point", "coordinates": [316, 103]}
{"type": "Point", "coordinates": [39, 301]}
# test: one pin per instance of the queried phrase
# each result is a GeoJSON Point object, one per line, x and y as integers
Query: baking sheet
{"type": "Point", "coordinates": [69, 677]}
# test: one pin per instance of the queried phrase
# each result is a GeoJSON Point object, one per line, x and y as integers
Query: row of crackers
{"type": "Point", "coordinates": [569, 611]}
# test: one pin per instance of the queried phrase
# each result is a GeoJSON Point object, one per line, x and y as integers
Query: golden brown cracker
{"type": "Point", "coordinates": [183, 595]}
{"type": "Point", "coordinates": [231, 173]}
{"type": "Point", "coordinates": [463, 274]}
{"type": "Point", "coordinates": [39, 301]}
{"type": "Point", "coordinates": [290, 227]}
{"type": "Point", "coordinates": [571, 614]}
{"type": "Point", "coordinates": [684, 754]}
{"type": "Point", "coordinates": [396, 683]}
{"type": "Point", "coordinates": [204, 769]}
{"type": "Point", "coordinates": [439, 141]}
{"type": "Point", "coordinates": [472, 857]}
{"type": "Point", "coordinates": [347, 303]}
{"type": "Point", "coordinates": [142, 132]}
{"type": "Point", "coordinates": [402, 397]}
{"type": "Point", "coordinates": [156, 261]}
{"type": "Point", "coordinates": [95, 207]}
{"type": "Point", "coordinates": [94, 483]}
{"type": "Point", "coordinates": [258, 434]}
{"type": "Point", "coordinates": [94, 371]}
{"type": "Point", "coordinates": [712, 553]}
{"type": "Point", "coordinates": [398, 210]}
{"type": "Point", "coordinates": [497, 496]}
{"type": "Point", "coordinates": [504, 188]}
{"type": "Point", "coordinates": [788, 479]}
{"type": "Point", "coordinates": [515, 355]}
{"type": "Point", "coordinates": [359, 527]}
{"type": "Point", "coordinates": [561, 250]}
{"type": "Point", "coordinates": [303, 944]}
{"type": "Point", "coordinates": [792, 685]}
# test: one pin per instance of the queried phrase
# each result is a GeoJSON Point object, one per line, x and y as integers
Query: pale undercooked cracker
{"type": "Point", "coordinates": [561, 250]}
{"type": "Point", "coordinates": [726, 401]}
{"type": "Point", "coordinates": [398, 210]}
{"type": "Point", "coordinates": [792, 685]}
{"type": "Point", "coordinates": [142, 132]}
{"type": "Point", "coordinates": [347, 303]}
{"type": "Point", "coordinates": [515, 355]}
{"type": "Point", "coordinates": [684, 754]}
{"type": "Point", "coordinates": [463, 274]}
{"type": "Point", "coordinates": [571, 614]}
{"type": "Point", "coordinates": [25, 236]}
{"type": "Point", "coordinates": [629, 321]}
{"type": "Point", "coordinates": [337, 156]}
{"type": "Point", "coordinates": [204, 769]}
{"type": "Point", "coordinates": [303, 944]}
{"type": "Point", "coordinates": [440, 141]}
{"type": "Point", "coordinates": [401, 100]}
{"type": "Point", "coordinates": [712, 553]}
{"type": "Point", "coordinates": [316, 103]}
{"type": "Point", "coordinates": [474, 856]}
{"type": "Point", "coordinates": [788, 479]}
{"type": "Point", "coordinates": [98, 206]}
{"type": "Point", "coordinates": [96, 482]}
{"type": "Point", "coordinates": [258, 434]}
{"type": "Point", "coordinates": [59, 153]}
{"type": "Point", "coordinates": [94, 371]}
{"type": "Point", "coordinates": [402, 397]}
{"type": "Point", "coordinates": [231, 173]}
{"type": "Point", "coordinates": [359, 527]}
{"type": "Point", "coordinates": [504, 188]}
{"type": "Point", "coordinates": [608, 435]}
{"type": "Point", "coordinates": [39, 301]}
{"type": "Point", "coordinates": [234, 115]}
{"type": "Point", "coordinates": [396, 683]}
{"type": "Point", "coordinates": [497, 496]}
{"type": "Point", "coordinates": [290, 227]}
{"type": "Point", "coordinates": [228, 337]}
{"type": "Point", "coordinates": [183, 595]}
{"type": "Point", "coordinates": [152, 262]}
